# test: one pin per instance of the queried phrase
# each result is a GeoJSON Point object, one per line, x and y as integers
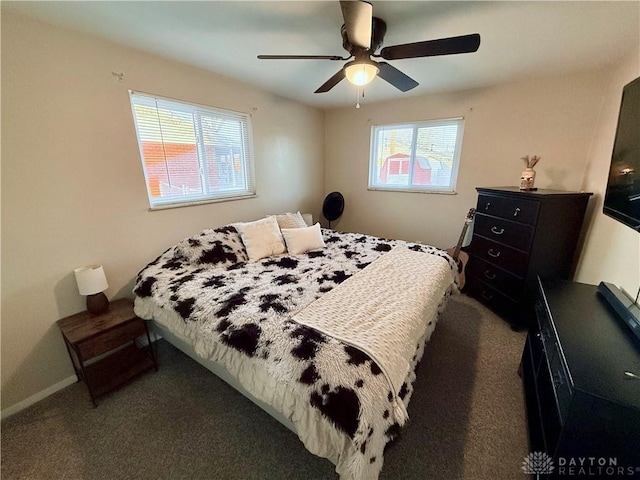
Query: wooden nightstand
{"type": "Point", "coordinates": [103, 348]}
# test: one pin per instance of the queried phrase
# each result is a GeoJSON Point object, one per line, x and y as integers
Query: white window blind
{"type": "Point", "coordinates": [420, 157]}
{"type": "Point", "coordinates": [191, 153]}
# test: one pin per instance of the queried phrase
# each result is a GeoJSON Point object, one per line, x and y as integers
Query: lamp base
{"type": "Point", "coordinates": [97, 303]}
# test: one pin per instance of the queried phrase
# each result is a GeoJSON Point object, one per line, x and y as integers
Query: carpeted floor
{"type": "Point", "coordinates": [467, 420]}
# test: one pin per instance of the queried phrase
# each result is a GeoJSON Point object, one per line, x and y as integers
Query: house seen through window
{"type": "Point", "coordinates": [416, 156]}
{"type": "Point", "coordinates": [190, 153]}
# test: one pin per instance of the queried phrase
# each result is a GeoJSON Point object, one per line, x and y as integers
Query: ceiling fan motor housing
{"type": "Point", "coordinates": [378, 30]}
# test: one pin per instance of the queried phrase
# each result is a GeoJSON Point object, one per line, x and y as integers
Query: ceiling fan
{"type": "Point", "coordinates": [362, 35]}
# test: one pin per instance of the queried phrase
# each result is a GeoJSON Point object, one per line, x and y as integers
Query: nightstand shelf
{"type": "Point", "coordinates": [104, 348]}
{"type": "Point", "coordinates": [112, 371]}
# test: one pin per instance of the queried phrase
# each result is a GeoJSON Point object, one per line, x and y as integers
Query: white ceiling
{"type": "Point", "coordinates": [519, 39]}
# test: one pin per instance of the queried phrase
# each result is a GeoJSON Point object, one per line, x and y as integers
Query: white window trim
{"type": "Point", "coordinates": [413, 189]}
{"type": "Point", "coordinates": [225, 196]}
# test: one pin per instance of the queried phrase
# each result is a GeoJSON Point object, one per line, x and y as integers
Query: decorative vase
{"type": "Point", "coordinates": [527, 179]}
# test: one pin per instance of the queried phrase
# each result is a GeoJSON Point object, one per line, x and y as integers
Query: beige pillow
{"type": "Point", "coordinates": [261, 238]}
{"type": "Point", "coordinates": [290, 220]}
{"type": "Point", "coordinates": [300, 240]}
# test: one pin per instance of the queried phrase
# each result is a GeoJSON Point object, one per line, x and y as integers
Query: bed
{"type": "Point", "coordinates": [325, 340]}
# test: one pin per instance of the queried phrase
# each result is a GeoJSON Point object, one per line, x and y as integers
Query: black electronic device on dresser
{"type": "Point", "coordinates": [517, 236]}
{"type": "Point", "coordinates": [577, 368]}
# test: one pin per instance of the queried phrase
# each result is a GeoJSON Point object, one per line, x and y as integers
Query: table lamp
{"type": "Point", "coordinates": [92, 283]}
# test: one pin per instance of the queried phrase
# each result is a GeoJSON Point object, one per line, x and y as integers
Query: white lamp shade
{"type": "Point", "coordinates": [360, 73]}
{"type": "Point", "coordinates": [91, 279]}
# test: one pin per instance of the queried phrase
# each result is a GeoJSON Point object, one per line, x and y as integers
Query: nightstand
{"type": "Point", "coordinates": [104, 348]}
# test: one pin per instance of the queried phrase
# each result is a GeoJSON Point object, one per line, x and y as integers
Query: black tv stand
{"type": "Point", "coordinates": [580, 401]}
{"type": "Point", "coordinates": [622, 305]}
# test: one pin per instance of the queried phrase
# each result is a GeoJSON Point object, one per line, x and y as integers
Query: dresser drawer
{"type": "Point", "coordinates": [520, 210]}
{"type": "Point", "coordinates": [504, 231]}
{"type": "Point", "coordinates": [494, 277]}
{"type": "Point", "coordinates": [492, 298]}
{"type": "Point", "coordinates": [557, 370]}
{"type": "Point", "coordinates": [545, 329]}
{"type": "Point", "coordinates": [504, 257]}
{"type": "Point", "coordinates": [490, 205]}
{"type": "Point", "coordinates": [560, 381]}
{"type": "Point", "coordinates": [516, 209]}
{"type": "Point", "coordinates": [111, 339]}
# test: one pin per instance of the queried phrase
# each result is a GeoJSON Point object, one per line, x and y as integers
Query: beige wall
{"type": "Point", "coordinates": [612, 250]}
{"type": "Point", "coordinates": [73, 189]}
{"type": "Point", "coordinates": [553, 117]}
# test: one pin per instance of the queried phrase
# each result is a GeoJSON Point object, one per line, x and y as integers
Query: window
{"type": "Point", "coordinates": [192, 154]}
{"type": "Point", "coordinates": [416, 157]}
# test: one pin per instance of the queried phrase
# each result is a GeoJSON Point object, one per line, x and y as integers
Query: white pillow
{"type": "Point", "coordinates": [308, 219]}
{"type": "Point", "coordinates": [300, 240]}
{"type": "Point", "coordinates": [290, 220]}
{"type": "Point", "coordinates": [261, 238]}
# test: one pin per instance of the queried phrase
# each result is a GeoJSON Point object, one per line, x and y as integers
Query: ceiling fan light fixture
{"type": "Point", "coordinates": [361, 72]}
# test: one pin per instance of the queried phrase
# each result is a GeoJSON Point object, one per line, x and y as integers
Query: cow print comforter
{"type": "Point", "coordinates": [239, 313]}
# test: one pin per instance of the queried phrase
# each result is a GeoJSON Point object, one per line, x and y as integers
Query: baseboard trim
{"type": "Point", "coordinates": [27, 402]}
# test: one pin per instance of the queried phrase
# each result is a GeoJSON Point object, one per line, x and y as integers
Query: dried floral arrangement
{"type": "Point", "coordinates": [531, 162]}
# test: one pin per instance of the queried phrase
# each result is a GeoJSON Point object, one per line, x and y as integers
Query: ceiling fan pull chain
{"type": "Point", "coordinates": [358, 96]}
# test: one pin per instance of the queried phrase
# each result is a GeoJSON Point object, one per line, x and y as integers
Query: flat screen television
{"type": "Point", "coordinates": [622, 197]}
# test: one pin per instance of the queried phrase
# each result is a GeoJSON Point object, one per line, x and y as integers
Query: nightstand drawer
{"type": "Point", "coordinates": [111, 339]}
{"type": "Point", "coordinates": [503, 231]}
{"type": "Point", "coordinates": [502, 256]}
{"type": "Point", "coordinates": [495, 277]}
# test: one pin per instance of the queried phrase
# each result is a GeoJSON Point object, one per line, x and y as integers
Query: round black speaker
{"type": "Point", "coordinates": [333, 206]}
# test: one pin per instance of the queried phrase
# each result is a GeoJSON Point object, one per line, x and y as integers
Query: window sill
{"type": "Point", "coordinates": [410, 190]}
{"type": "Point", "coordinates": [201, 202]}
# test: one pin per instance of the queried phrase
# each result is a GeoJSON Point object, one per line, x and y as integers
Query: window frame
{"type": "Point", "coordinates": [438, 189]}
{"type": "Point", "coordinates": [198, 111]}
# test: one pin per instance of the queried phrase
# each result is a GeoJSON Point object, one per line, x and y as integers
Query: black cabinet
{"type": "Point", "coordinates": [580, 404]}
{"type": "Point", "coordinates": [517, 236]}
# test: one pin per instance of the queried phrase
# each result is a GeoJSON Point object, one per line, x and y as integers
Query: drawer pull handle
{"type": "Point", "coordinates": [486, 207]}
{"type": "Point", "coordinates": [557, 379]}
{"type": "Point", "coordinates": [515, 214]}
{"type": "Point", "coordinates": [490, 275]}
{"type": "Point", "coordinates": [486, 296]}
{"type": "Point", "coordinates": [493, 254]}
{"type": "Point", "coordinates": [497, 231]}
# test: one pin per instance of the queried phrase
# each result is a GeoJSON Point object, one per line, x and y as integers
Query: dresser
{"type": "Point", "coordinates": [517, 236]}
{"type": "Point", "coordinates": [580, 403]}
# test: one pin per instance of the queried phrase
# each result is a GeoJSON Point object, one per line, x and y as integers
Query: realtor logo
{"type": "Point", "coordinates": [538, 463]}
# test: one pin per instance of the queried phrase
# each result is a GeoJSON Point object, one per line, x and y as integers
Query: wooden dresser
{"type": "Point", "coordinates": [518, 236]}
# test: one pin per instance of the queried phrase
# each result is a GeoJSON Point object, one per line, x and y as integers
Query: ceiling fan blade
{"type": "Point", "coordinates": [332, 82]}
{"type": "Point", "coordinates": [300, 57]}
{"type": "Point", "coordinates": [432, 48]}
{"type": "Point", "coordinates": [358, 16]}
{"type": "Point", "coordinates": [395, 77]}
